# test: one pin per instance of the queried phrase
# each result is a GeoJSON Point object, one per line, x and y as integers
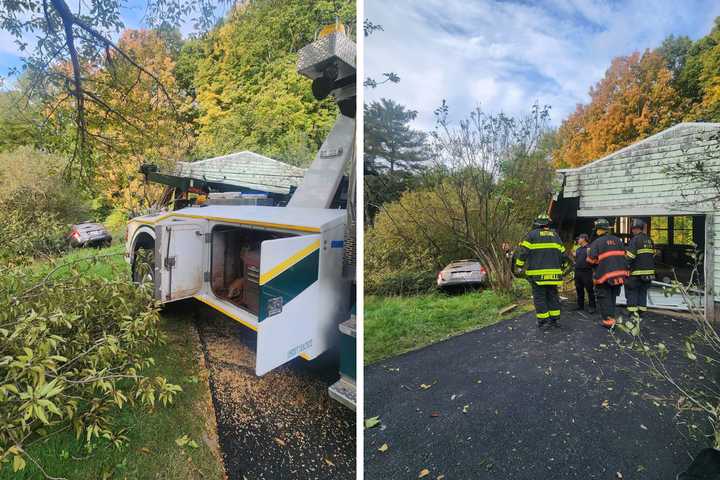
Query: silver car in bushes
{"type": "Point", "coordinates": [462, 273]}
{"type": "Point", "coordinates": [89, 234]}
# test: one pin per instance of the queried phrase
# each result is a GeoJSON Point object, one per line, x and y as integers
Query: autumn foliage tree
{"type": "Point", "coordinates": [249, 95]}
{"type": "Point", "coordinates": [133, 122]}
{"type": "Point", "coordinates": [642, 94]}
{"type": "Point", "coordinates": [701, 77]}
{"type": "Point", "coordinates": [635, 99]}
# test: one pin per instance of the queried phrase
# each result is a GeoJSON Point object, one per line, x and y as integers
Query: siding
{"type": "Point", "coordinates": [634, 178]}
{"type": "Point", "coordinates": [717, 256]}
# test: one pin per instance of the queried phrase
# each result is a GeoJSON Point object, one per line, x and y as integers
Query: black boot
{"type": "Point", "coordinates": [591, 310]}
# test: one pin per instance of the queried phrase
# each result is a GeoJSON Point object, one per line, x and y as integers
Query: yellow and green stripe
{"type": "Point", "coordinates": [290, 278]}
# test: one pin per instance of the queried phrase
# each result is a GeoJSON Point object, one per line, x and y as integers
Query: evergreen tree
{"type": "Point", "coordinates": [390, 142]}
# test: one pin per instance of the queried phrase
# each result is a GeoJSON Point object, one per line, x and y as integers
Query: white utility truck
{"type": "Point", "coordinates": [276, 270]}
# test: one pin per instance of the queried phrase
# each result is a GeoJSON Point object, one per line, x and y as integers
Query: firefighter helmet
{"type": "Point", "coordinates": [602, 224]}
{"type": "Point", "coordinates": [638, 223]}
{"type": "Point", "coordinates": [542, 220]}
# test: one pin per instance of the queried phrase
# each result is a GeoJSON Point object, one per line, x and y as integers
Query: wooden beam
{"type": "Point", "coordinates": [709, 268]}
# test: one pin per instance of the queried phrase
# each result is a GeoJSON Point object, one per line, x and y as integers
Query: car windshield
{"type": "Point", "coordinates": [463, 263]}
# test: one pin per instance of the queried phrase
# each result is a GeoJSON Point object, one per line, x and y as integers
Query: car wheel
{"type": "Point", "coordinates": [143, 268]}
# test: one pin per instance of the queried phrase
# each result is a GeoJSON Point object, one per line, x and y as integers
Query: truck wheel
{"type": "Point", "coordinates": [143, 268]}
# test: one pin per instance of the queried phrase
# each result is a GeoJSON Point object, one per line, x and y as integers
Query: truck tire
{"type": "Point", "coordinates": [143, 266]}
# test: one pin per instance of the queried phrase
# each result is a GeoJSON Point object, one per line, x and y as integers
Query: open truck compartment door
{"type": "Point", "coordinates": [297, 316]}
{"type": "Point", "coordinates": [179, 259]}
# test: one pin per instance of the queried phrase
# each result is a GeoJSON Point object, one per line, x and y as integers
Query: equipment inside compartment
{"type": "Point", "coordinates": [235, 268]}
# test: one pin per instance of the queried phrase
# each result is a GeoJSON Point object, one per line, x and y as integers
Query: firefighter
{"type": "Point", "coordinates": [540, 257]}
{"type": "Point", "coordinates": [640, 255]}
{"type": "Point", "coordinates": [607, 254]}
{"type": "Point", "coordinates": [583, 274]}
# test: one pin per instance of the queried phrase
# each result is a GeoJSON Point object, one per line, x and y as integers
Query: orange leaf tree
{"type": "Point", "coordinates": [130, 121]}
{"type": "Point", "coordinates": [635, 99]}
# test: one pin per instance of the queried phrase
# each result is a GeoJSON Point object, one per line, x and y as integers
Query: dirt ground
{"type": "Point", "coordinates": [281, 425]}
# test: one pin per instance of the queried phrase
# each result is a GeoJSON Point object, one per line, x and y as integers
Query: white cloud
{"type": "Point", "coordinates": [506, 55]}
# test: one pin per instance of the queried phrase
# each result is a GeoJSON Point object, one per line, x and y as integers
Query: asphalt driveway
{"type": "Point", "coordinates": [512, 402]}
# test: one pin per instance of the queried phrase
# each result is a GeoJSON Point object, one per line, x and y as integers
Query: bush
{"type": "Point", "coordinates": [30, 172]}
{"type": "Point", "coordinates": [521, 289]}
{"type": "Point", "coordinates": [36, 206]}
{"type": "Point", "coordinates": [116, 221]}
{"type": "Point", "coordinates": [72, 352]}
{"type": "Point", "coordinates": [28, 230]}
{"type": "Point", "coordinates": [389, 282]}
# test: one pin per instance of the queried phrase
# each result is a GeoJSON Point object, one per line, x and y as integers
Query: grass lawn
{"type": "Point", "coordinates": [394, 325]}
{"type": "Point", "coordinates": [110, 263]}
{"type": "Point", "coordinates": [151, 452]}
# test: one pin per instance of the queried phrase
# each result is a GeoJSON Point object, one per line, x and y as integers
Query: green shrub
{"type": "Point", "coordinates": [395, 265]}
{"type": "Point", "coordinates": [73, 348]}
{"type": "Point", "coordinates": [36, 206]}
{"type": "Point", "coordinates": [521, 289]}
{"type": "Point", "coordinates": [30, 172]}
{"type": "Point", "coordinates": [116, 221]}
{"type": "Point", "coordinates": [28, 230]}
{"type": "Point", "coordinates": [388, 282]}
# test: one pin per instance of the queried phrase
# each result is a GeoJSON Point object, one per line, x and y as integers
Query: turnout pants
{"type": "Point", "coordinates": [636, 290]}
{"type": "Point", "coordinates": [584, 283]}
{"type": "Point", "coordinates": [547, 302]}
{"type": "Point", "coordinates": [606, 298]}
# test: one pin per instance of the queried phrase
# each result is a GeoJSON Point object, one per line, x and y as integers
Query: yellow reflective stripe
{"type": "Point", "coordinates": [632, 309]}
{"type": "Point", "coordinates": [643, 272]}
{"type": "Point", "coordinates": [629, 254]}
{"type": "Point", "coordinates": [543, 315]}
{"type": "Point", "coordinates": [642, 309]}
{"type": "Point", "coordinates": [519, 262]}
{"type": "Point", "coordinates": [282, 266]}
{"type": "Point", "coordinates": [226, 312]}
{"type": "Point", "coordinates": [549, 282]}
{"type": "Point", "coordinates": [545, 271]}
{"type": "Point", "coordinates": [229, 220]}
{"type": "Point", "coordinates": [544, 245]}
{"type": "Point", "coordinates": [646, 250]}
{"type": "Point", "coordinates": [554, 313]}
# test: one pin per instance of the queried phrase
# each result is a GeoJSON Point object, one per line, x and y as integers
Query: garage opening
{"type": "Point", "coordinates": [679, 243]}
{"type": "Point", "coordinates": [235, 264]}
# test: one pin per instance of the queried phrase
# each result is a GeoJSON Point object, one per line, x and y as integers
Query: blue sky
{"type": "Point", "coordinates": [132, 13]}
{"type": "Point", "coordinates": [504, 55]}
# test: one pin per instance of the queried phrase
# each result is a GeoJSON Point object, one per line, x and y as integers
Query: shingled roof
{"type": "Point", "coordinates": [245, 169]}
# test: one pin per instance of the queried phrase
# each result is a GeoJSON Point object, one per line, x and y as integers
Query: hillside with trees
{"type": "Point", "coordinates": [153, 96]}
{"type": "Point", "coordinates": [248, 94]}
